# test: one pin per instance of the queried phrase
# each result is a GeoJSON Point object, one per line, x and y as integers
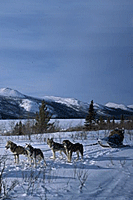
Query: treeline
{"type": "Point", "coordinates": [103, 123]}
{"type": "Point", "coordinates": [41, 123]}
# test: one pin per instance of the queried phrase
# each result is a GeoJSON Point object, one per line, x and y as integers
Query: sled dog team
{"type": "Point", "coordinates": [35, 154]}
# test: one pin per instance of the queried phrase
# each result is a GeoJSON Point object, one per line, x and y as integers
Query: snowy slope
{"type": "Point", "coordinates": [11, 93]}
{"type": "Point", "coordinates": [29, 105]}
{"type": "Point", "coordinates": [104, 173]}
{"type": "Point", "coordinates": [70, 102]}
{"type": "Point", "coordinates": [14, 104]}
{"type": "Point", "coordinates": [130, 106]}
{"type": "Point", "coordinates": [117, 106]}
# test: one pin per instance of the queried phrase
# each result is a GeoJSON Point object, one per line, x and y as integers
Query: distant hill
{"type": "Point", "coordinates": [14, 105]}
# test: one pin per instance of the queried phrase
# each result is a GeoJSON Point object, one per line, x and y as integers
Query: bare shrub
{"type": "Point", "coordinates": [2, 169]}
{"type": "Point", "coordinates": [30, 179]}
{"type": "Point", "coordinates": [82, 176]}
{"type": "Point", "coordinates": [5, 187]}
{"type": "Point", "coordinates": [81, 135]}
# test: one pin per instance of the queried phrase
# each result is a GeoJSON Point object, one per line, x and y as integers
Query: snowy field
{"type": "Point", "coordinates": [7, 125]}
{"type": "Point", "coordinates": [104, 173]}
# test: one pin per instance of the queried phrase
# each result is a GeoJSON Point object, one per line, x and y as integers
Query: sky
{"type": "Point", "coordinates": [78, 49]}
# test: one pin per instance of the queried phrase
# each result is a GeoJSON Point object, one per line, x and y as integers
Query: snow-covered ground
{"type": "Point", "coordinates": [7, 125]}
{"type": "Point", "coordinates": [104, 173]}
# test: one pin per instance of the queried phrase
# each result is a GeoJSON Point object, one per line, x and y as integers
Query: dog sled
{"type": "Point", "coordinates": [114, 140]}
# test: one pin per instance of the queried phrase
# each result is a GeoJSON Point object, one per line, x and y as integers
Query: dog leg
{"type": "Point", "coordinates": [54, 155]}
{"type": "Point", "coordinates": [81, 157]}
{"type": "Point", "coordinates": [81, 152]}
{"type": "Point", "coordinates": [67, 152]}
{"type": "Point", "coordinates": [77, 155]}
{"type": "Point", "coordinates": [31, 161]}
{"type": "Point", "coordinates": [44, 162]}
{"type": "Point", "coordinates": [69, 156]}
{"type": "Point", "coordinates": [61, 154]}
{"type": "Point", "coordinates": [17, 159]}
{"type": "Point", "coordinates": [35, 162]}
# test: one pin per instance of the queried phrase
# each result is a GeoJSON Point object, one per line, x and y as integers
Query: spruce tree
{"type": "Point", "coordinates": [113, 122]}
{"type": "Point", "coordinates": [18, 129]}
{"type": "Point", "coordinates": [101, 122]}
{"type": "Point", "coordinates": [122, 121]}
{"type": "Point", "coordinates": [122, 118]}
{"type": "Point", "coordinates": [108, 123]}
{"type": "Point", "coordinates": [90, 118]}
{"type": "Point", "coordinates": [42, 118]}
{"type": "Point", "coordinates": [20, 132]}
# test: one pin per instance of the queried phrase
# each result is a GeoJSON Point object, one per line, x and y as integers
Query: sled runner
{"type": "Point", "coordinates": [111, 145]}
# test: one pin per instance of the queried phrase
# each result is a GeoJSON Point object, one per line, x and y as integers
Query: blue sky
{"type": "Point", "coordinates": [80, 49]}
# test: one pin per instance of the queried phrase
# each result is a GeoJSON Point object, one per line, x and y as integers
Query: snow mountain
{"type": "Point", "coordinates": [15, 105]}
{"type": "Point", "coordinates": [8, 92]}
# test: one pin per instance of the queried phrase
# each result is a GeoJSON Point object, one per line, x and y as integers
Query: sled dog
{"type": "Point", "coordinates": [56, 147]}
{"type": "Point", "coordinates": [34, 154]}
{"type": "Point", "coordinates": [16, 150]}
{"type": "Point", "coordinates": [70, 148]}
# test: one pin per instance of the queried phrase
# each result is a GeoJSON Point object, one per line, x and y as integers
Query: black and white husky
{"type": "Point", "coordinates": [16, 150]}
{"type": "Point", "coordinates": [34, 154]}
{"type": "Point", "coordinates": [54, 146]}
{"type": "Point", "coordinates": [70, 148]}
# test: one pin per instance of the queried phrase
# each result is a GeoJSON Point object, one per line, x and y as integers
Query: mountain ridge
{"type": "Point", "coordinates": [14, 104]}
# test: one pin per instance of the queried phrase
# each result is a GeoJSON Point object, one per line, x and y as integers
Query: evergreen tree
{"type": "Point", "coordinates": [101, 122]}
{"type": "Point", "coordinates": [42, 118]}
{"type": "Point", "coordinates": [18, 129]}
{"type": "Point", "coordinates": [108, 120]}
{"type": "Point", "coordinates": [108, 123]}
{"type": "Point", "coordinates": [90, 118]}
{"type": "Point", "coordinates": [122, 121]}
{"type": "Point", "coordinates": [113, 122]}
